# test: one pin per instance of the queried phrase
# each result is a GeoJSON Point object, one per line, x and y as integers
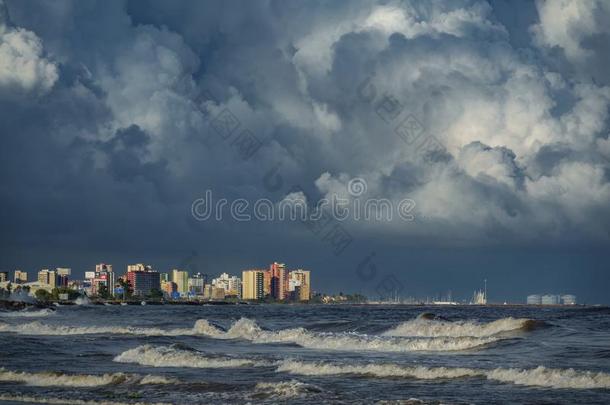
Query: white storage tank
{"type": "Point", "coordinates": [534, 299]}
{"type": "Point", "coordinates": [550, 299]}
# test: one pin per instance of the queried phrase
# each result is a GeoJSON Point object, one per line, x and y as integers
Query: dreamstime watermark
{"type": "Point", "coordinates": [295, 207]}
{"type": "Point", "coordinates": [229, 128]}
{"type": "Point", "coordinates": [408, 128]}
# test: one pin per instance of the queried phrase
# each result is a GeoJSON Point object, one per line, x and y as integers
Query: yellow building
{"type": "Point", "coordinates": [21, 277]}
{"type": "Point", "coordinates": [252, 284]}
{"type": "Point", "coordinates": [300, 280]}
{"type": "Point", "coordinates": [48, 277]}
{"type": "Point", "coordinates": [181, 278]}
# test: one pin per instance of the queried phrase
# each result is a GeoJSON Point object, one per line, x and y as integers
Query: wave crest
{"type": "Point", "coordinates": [535, 377]}
{"type": "Point", "coordinates": [425, 327]}
{"type": "Point", "coordinates": [248, 329]}
{"type": "Point", "coordinates": [284, 389]}
{"type": "Point", "coordinates": [28, 314]}
{"type": "Point", "coordinates": [376, 370]}
{"type": "Point", "coordinates": [57, 379]}
{"type": "Point", "coordinates": [159, 356]}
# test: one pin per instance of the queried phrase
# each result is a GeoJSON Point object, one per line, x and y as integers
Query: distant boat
{"type": "Point", "coordinates": [143, 303]}
{"type": "Point", "coordinates": [123, 303]}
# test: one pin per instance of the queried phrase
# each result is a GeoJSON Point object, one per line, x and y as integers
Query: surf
{"type": "Point", "coordinates": [535, 377]}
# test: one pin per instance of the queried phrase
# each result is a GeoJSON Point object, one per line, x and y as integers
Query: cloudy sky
{"type": "Point", "coordinates": [493, 119]}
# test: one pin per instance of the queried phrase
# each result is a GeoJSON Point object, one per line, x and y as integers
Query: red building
{"type": "Point", "coordinates": [276, 281]}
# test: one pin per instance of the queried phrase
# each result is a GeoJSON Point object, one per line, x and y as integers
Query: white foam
{"type": "Point", "coordinates": [535, 377]}
{"type": "Point", "coordinates": [38, 328]}
{"type": "Point", "coordinates": [159, 356]}
{"type": "Point", "coordinates": [27, 314]}
{"type": "Point", "coordinates": [435, 328]}
{"type": "Point", "coordinates": [56, 379]}
{"type": "Point", "coordinates": [285, 389]}
{"type": "Point", "coordinates": [376, 370]}
{"type": "Point", "coordinates": [248, 329]}
{"type": "Point", "coordinates": [552, 378]}
{"type": "Point", "coordinates": [82, 300]}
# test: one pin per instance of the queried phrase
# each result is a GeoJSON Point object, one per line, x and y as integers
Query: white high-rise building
{"type": "Point", "coordinates": [231, 284]}
{"type": "Point", "coordinates": [196, 284]}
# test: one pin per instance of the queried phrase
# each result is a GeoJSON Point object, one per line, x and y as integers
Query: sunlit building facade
{"type": "Point", "coordinates": [252, 284]}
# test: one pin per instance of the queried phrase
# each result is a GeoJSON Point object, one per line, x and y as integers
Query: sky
{"type": "Point", "coordinates": [490, 120]}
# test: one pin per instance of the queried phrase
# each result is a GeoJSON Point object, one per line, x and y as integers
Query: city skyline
{"type": "Point", "coordinates": [254, 284]}
{"type": "Point", "coordinates": [277, 283]}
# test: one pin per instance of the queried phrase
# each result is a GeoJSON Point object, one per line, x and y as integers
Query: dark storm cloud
{"type": "Point", "coordinates": [106, 111]}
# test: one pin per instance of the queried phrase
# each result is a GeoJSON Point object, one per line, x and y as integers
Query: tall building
{"type": "Point", "coordinates": [103, 278]}
{"type": "Point", "coordinates": [21, 277]}
{"type": "Point", "coordinates": [48, 277]}
{"type": "Point", "coordinates": [278, 281]}
{"type": "Point", "coordinates": [252, 284]}
{"type": "Point", "coordinates": [3, 276]}
{"type": "Point", "coordinates": [196, 284]}
{"type": "Point", "coordinates": [231, 284]}
{"type": "Point", "coordinates": [299, 284]}
{"type": "Point", "coordinates": [143, 281]}
{"type": "Point", "coordinates": [164, 277]}
{"type": "Point", "coordinates": [181, 278]}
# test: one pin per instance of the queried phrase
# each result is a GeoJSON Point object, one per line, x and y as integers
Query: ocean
{"type": "Point", "coordinates": [305, 354]}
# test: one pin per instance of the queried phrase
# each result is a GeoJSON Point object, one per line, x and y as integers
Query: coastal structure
{"type": "Point", "coordinates": [551, 299]}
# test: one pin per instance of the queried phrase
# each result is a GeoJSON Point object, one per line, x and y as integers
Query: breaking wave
{"type": "Point", "coordinates": [424, 327]}
{"type": "Point", "coordinates": [375, 370]}
{"type": "Point", "coordinates": [535, 377]}
{"type": "Point", "coordinates": [248, 329]}
{"type": "Point", "coordinates": [284, 389]}
{"type": "Point", "coordinates": [28, 314]}
{"type": "Point", "coordinates": [38, 328]}
{"type": "Point", "coordinates": [159, 356]}
{"type": "Point", "coordinates": [552, 378]}
{"type": "Point", "coordinates": [57, 379]}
